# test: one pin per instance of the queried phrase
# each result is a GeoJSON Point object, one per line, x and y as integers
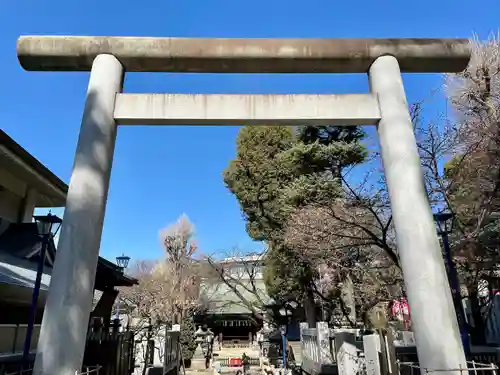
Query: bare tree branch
{"type": "Point", "coordinates": [242, 276]}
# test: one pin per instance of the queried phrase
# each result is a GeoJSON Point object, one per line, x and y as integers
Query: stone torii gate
{"type": "Point", "coordinates": [65, 321]}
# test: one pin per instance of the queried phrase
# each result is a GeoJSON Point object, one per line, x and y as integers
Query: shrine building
{"type": "Point", "coordinates": [233, 302]}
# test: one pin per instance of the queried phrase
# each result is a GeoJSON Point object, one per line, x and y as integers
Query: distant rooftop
{"type": "Point", "coordinates": [243, 259]}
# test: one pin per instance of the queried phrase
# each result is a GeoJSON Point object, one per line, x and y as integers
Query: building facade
{"type": "Point", "coordinates": [234, 300]}
{"type": "Point", "coordinates": [26, 184]}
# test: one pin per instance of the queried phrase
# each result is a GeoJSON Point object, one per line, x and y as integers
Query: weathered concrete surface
{"type": "Point", "coordinates": [197, 109]}
{"type": "Point", "coordinates": [434, 321]}
{"type": "Point", "coordinates": [65, 320]}
{"type": "Point", "coordinates": [76, 53]}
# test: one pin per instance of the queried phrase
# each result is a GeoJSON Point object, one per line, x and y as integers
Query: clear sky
{"type": "Point", "coordinates": [160, 173]}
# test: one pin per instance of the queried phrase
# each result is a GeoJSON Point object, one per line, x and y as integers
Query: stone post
{"type": "Point", "coordinates": [69, 302]}
{"type": "Point", "coordinates": [346, 353]}
{"type": "Point", "coordinates": [433, 316]}
{"type": "Point", "coordinates": [371, 347]}
{"type": "Point", "coordinates": [303, 345]}
{"type": "Point", "coordinates": [323, 337]}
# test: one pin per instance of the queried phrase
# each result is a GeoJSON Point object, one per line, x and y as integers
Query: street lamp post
{"type": "Point", "coordinates": [122, 262]}
{"type": "Point", "coordinates": [444, 223]}
{"type": "Point", "coordinates": [283, 330]}
{"type": "Point", "coordinates": [47, 226]}
{"type": "Point", "coordinates": [286, 311]}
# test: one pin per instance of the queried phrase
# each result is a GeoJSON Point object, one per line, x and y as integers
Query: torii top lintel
{"type": "Point", "coordinates": [218, 55]}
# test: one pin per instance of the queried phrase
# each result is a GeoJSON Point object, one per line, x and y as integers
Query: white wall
{"type": "Point", "coordinates": [10, 205]}
{"type": "Point", "coordinates": [17, 201]}
{"type": "Point", "coordinates": [245, 270]}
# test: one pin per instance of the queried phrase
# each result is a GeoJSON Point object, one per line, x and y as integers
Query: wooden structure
{"type": "Point", "coordinates": [112, 351]}
{"type": "Point", "coordinates": [172, 354]}
{"type": "Point", "coordinates": [26, 184]}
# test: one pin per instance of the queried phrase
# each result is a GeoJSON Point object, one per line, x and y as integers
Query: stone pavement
{"type": "Point", "coordinates": [254, 370]}
{"type": "Point", "coordinates": [237, 352]}
{"type": "Point", "coordinates": [197, 372]}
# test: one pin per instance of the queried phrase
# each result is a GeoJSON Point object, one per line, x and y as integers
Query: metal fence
{"type": "Point", "coordinates": [113, 352]}
{"type": "Point", "coordinates": [473, 368]}
{"type": "Point", "coordinates": [225, 362]}
{"type": "Point", "coordinates": [172, 351]}
{"type": "Point", "coordinates": [86, 370]}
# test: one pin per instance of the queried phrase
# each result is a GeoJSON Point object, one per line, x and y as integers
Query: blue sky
{"type": "Point", "coordinates": [160, 173]}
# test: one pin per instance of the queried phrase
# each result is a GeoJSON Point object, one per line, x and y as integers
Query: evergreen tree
{"type": "Point", "coordinates": [188, 337]}
{"type": "Point", "coordinates": [277, 170]}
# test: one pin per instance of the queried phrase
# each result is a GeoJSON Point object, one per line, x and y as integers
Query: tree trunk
{"type": "Point", "coordinates": [477, 332]}
{"type": "Point", "coordinates": [310, 307]}
{"type": "Point", "coordinates": [347, 295]}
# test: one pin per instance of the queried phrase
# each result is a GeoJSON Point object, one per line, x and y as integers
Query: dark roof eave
{"type": "Point", "coordinates": [30, 160]}
{"type": "Point", "coordinates": [127, 280]}
{"type": "Point", "coordinates": [131, 280]}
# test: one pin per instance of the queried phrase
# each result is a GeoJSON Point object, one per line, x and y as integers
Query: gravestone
{"type": "Point", "coordinates": [346, 353]}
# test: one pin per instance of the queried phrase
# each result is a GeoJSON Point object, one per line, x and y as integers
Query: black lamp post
{"type": "Point", "coordinates": [122, 262]}
{"type": "Point", "coordinates": [283, 331]}
{"type": "Point", "coordinates": [47, 225]}
{"type": "Point", "coordinates": [444, 224]}
{"type": "Point", "coordinates": [288, 306]}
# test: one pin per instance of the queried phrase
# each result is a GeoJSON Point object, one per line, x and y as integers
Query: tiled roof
{"type": "Point", "coordinates": [21, 272]}
{"type": "Point", "coordinates": [19, 248]}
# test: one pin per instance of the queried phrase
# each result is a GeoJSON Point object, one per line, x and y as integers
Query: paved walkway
{"type": "Point", "coordinates": [197, 372]}
{"type": "Point", "coordinates": [237, 352]}
{"type": "Point", "coordinates": [254, 370]}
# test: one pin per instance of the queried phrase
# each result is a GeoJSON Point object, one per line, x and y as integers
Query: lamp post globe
{"type": "Point", "coordinates": [444, 222]}
{"type": "Point", "coordinates": [122, 261]}
{"type": "Point", "coordinates": [47, 224]}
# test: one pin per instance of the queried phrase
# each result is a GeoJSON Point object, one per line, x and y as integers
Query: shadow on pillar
{"type": "Point", "coordinates": [69, 303]}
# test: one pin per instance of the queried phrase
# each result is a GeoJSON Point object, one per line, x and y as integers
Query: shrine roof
{"type": "Point", "coordinates": [223, 299]}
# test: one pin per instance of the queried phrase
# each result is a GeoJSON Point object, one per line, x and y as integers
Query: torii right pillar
{"type": "Point", "coordinates": [432, 312]}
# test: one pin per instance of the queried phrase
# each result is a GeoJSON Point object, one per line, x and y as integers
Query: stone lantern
{"type": "Point", "coordinates": [204, 340]}
{"type": "Point", "coordinates": [200, 335]}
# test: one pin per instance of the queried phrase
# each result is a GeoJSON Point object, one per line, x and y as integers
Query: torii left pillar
{"type": "Point", "coordinates": [78, 248]}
